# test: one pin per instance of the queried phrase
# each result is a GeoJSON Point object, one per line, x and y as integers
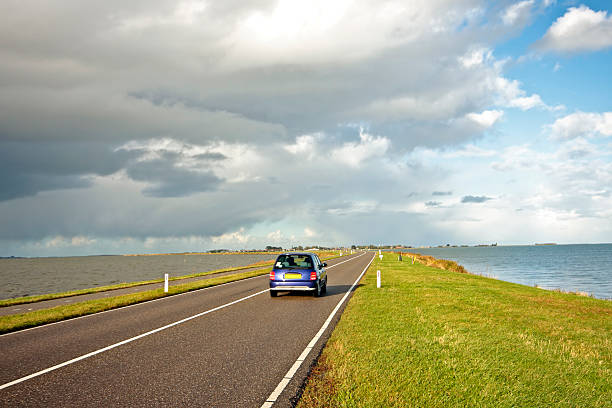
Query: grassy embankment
{"type": "Point", "coordinates": [36, 318]}
{"type": "Point", "coordinates": [436, 338]}
{"type": "Point", "coordinates": [51, 296]}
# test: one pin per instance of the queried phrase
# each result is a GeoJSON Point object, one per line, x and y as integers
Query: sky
{"type": "Point", "coordinates": [171, 126]}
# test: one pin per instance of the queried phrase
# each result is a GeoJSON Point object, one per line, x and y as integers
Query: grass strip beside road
{"type": "Point", "coordinates": [12, 323]}
{"type": "Point", "coordinates": [16, 322]}
{"type": "Point", "coordinates": [436, 338]}
{"type": "Point", "coordinates": [327, 255]}
{"type": "Point", "coordinates": [51, 296]}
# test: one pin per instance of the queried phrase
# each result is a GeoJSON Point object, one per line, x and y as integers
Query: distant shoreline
{"type": "Point", "coordinates": [498, 245]}
{"type": "Point", "coordinates": [209, 253]}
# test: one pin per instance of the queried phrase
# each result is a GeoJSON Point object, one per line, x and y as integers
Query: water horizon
{"type": "Point", "coordinates": [583, 268]}
{"type": "Point", "coordinates": [44, 275]}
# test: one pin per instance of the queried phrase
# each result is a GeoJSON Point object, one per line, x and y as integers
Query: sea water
{"type": "Point", "coordinates": [576, 268]}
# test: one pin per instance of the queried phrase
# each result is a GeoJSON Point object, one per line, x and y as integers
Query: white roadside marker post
{"type": "Point", "coordinates": [380, 256]}
{"type": "Point", "coordinates": [378, 278]}
{"type": "Point", "coordinates": [166, 283]}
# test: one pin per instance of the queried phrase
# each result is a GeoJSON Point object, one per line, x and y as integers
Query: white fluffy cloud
{"type": "Point", "coordinates": [518, 12]}
{"type": "Point", "coordinates": [476, 57]}
{"type": "Point", "coordinates": [353, 154]}
{"type": "Point", "coordinates": [579, 29]}
{"type": "Point", "coordinates": [305, 146]}
{"type": "Point", "coordinates": [485, 119]}
{"type": "Point", "coordinates": [232, 238]}
{"type": "Point", "coordinates": [280, 33]}
{"type": "Point", "coordinates": [582, 124]}
{"type": "Point", "coordinates": [275, 236]}
{"type": "Point", "coordinates": [511, 95]}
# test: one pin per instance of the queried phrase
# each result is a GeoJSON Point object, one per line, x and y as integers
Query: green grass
{"type": "Point", "coordinates": [435, 338]}
{"type": "Point", "coordinates": [51, 296]}
{"type": "Point", "coordinates": [326, 255]}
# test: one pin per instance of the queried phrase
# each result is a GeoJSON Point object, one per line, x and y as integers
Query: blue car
{"type": "Point", "coordinates": [298, 271]}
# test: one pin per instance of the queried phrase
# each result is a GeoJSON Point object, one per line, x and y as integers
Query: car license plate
{"type": "Point", "coordinates": [293, 276]}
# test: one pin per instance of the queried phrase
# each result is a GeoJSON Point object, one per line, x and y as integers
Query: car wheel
{"type": "Point", "coordinates": [273, 293]}
{"type": "Point", "coordinates": [324, 288]}
{"type": "Point", "coordinates": [317, 291]}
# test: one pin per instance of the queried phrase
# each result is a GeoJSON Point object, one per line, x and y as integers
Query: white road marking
{"type": "Point", "coordinates": [112, 346]}
{"type": "Point", "coordinates": [150, 301]}
{"type": "Point", "coordinates": [287, 378]}
{"type": "Point", "coordinates": [132, 305]}
{"type": "Point", "coordinates": [340, 263]}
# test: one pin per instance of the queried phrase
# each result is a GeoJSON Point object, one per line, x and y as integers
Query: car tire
{"type": "Point", "coordinates": [324, 288]}
{"type": "Point", "coordinates": [273, 293]}
{"type": "Point", "coordinates": [317, 291]}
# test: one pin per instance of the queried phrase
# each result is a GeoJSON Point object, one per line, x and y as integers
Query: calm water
{"type": "Point", "coordinates": [584, 268]}
{"type": "Point", "coordinates": [36, 276]}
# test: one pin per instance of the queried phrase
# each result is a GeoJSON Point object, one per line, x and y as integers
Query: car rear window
{"type": "Point", "coordinates": [293, 262]}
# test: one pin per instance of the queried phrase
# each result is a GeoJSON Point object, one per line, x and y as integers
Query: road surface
{"type": "Point", "coordinates": [46, 304]}
{"type": "Point", "coordinates": [226, 346]}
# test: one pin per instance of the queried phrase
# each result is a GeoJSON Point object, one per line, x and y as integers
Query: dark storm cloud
{"type": "Point", "coordinates": [170, 181]}
{"type": "Point", "coordinates": [475, 199]}
{"type": "Point", "coordinates": [93, 77]}
{"type": "Point", "coordinates": [208, 156]}
{"type": "Point", "coordinates": [23, 185]}
{"type": "Point", "coordinates": [118, 211]}
{"type": "Point", "coordinates": [28, 168]}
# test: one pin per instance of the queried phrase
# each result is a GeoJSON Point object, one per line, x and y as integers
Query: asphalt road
{"type": "Point", "coordinates": [46, 304]}
{"type": "Point", "coordinates": [224, 356]}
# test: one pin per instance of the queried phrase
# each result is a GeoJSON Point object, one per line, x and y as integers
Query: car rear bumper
{"type": "Point", "coordinates": [292, 288]}
{"type": "Point", "coordinates": [305, 286]}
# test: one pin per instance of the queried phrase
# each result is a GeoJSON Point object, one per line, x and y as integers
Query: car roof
{"type": "Point", "coordinates": [297, 253]}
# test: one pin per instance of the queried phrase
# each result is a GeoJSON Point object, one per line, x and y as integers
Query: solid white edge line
{"type": "Point", "coordinates": [287, 378]}
{"type": "Point", "coordinates": [112, 346]}
{"type": "Point", "coordinates": [152, 300]}
{"type": "Point", "coordinates": [279, 388]}
{"type": "Point", "coordinates": [293, 369]}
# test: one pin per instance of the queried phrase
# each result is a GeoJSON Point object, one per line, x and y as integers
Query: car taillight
{"type": "Point", "coordinates": [313, 275]}
{"type": "Point", "coordinates": [272, 275]}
